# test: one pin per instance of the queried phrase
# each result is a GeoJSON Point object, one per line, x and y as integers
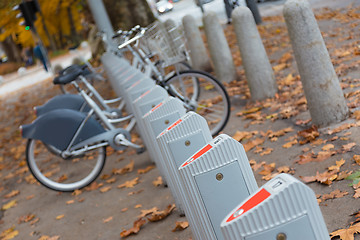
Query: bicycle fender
{"type": "Point", "coordinates": [64, 101]}
{"type": "Point", "coordinates": [58, 127]}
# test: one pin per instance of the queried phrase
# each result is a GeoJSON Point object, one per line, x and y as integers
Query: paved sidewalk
{"type": "Point", "coordinates": [276, 132]}
{"type": "Point", "coordinates": [14, 81]}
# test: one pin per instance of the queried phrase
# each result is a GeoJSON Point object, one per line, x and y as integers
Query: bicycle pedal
{"type": "Point", "coordinates": [140, 150]}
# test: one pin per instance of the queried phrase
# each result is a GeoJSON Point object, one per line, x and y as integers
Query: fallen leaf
{"type": "Point", "coordinates": [325, 177]}
{"type": "Point", "coordinates": [9, 205]}
{"type": "Point", "coordinates": [248, 111]}
{"type": "Point", "coordinates": [327, 147]}
{"type": "Point", "coordinates": [179, 226]}
{"type": "Point", "coordinates": [147, 212]}
{"type": "Point", "coordinates": [76, 192]}
{"type": "Point", "coordinates": [290, 144]}
{"type": "Point", "coordinates": [355, 177]}
{"type": "Point", "coordinates": [107, 219]}
{"type": "Point", "coordinates": [105, 189]}
{"type": "Point", "coordinates": [138, 206]}
{"type": "Point", "coordinates": [334, 194]}
{"type": "Point", "coordinates": [348, 233]}
{"type": "Point", "coordinates": [124, 209]}
{"type": "Point", "coordinates": [347, 147]}
{"type": "Point", "coordinates": [13, 193]}
{"type": "Point", "coordinates": [255, 166]}
{"type": "Point", "coordinates": [357, 159]}
{"type": "Point", "coordinates": [93, 186]}
{"type": "Point", "coordinates": [26, 218]}
{"type": "Point", "coordinates": [158, 181]}
{"type": "Point", "coordinates": [357, 216]}
{"type": "Point", "coordinates": [9, 234]}
{"type": "Point", "coordinates": [341, 128]}
{"type": "Point", "coordinates": [135, 229]}
{"type": "Point", "coordinates": [266, 151]}
{"type": "Point", "coordinates": [128, 168]}
{"type": "Point", "coordinates": [357, 193]}
{"type": "Point", "coordinates": [268, 169]}
{"type": "Point", "coordinates": [281, 132]}
{"type": "Point", "coordinates": [309, 134]}
{"type": "Point", "coordinates": [136, 192]}
{"type": "Point", "coordinates": [49, 238]}
{"type": "Point", "coordinates": [129, 184]}
{"type": "Point", "coordinates": [70, 202]}
{"type": "Point", "coordinates": [60, 217]}
{"type": "Point", "coordinates": [251, 144]}
{"type": "Point", "coordinates": [337, 166]}
{"type": "Point", "coordinates": [159, 215]}
{"type": "Point", "coordinates": [147, 169]}
{"type": "Point", "coordinates": [239, 136]}
{"type": "Point", "coordinates": [111, 180]}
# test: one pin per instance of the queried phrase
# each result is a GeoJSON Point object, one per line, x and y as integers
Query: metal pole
{"type": "Point", "coordinates": [102, 19]}
{"type": "Point", "coordinates": [255, 11]}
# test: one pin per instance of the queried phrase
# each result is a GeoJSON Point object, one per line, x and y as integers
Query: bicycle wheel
{"type": "Point", "coordinates": [60, 174]}
{"type": "Point", "coordinates": [207, 97]}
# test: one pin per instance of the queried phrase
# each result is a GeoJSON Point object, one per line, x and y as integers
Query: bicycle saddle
{"type": "Point", "coordinates": [70, 74]}
{"type": "Point", "coordinates": [68, 77]}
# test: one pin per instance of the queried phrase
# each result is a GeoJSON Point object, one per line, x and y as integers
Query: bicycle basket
{"type": "Point", "coordinates": [169, 44]}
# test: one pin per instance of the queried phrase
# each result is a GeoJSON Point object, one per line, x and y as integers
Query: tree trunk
{"type": "Point", "coordinates": [51, 40]}
{"type": "Point", "coordinates": [74, 35]}
{"type": "Point", "coordinates": [11, 50]}
{"type": "Point", "coordinates": [125, 14]}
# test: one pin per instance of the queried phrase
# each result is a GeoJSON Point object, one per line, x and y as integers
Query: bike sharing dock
{"type": "Point", "coordinates": [209, 178]}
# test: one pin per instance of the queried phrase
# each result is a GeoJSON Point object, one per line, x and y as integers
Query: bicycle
{"type": "Point", "coordinates": [199, 91]}
{"type": "Point", "coordinates": [66, 149]}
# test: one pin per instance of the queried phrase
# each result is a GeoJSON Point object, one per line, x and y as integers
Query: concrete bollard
{"type": "Point", "coordinates": [322, 89]}
{"type": "Point", "coordinates": [258, 71]}
{"type": "Point", "coordinates": [175, 38]}
{"type": "Point", "coordinates": [219, 48]}
{"type": "Point", "coordinates": [198, 55]}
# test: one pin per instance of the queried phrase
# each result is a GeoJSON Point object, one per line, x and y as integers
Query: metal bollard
{"type": "Point", "coordinates": [215, 178]}
{"type": "Point", "coordinates": [144, 104]}
{"type": "Point", "coordinates": [158, 119]}
{"type": "Point", "coordinates": [283, 208]}
{"type": "Point", "coordinates": [178, 142]}
{"type": "Point", "coordinates": [136, 90]}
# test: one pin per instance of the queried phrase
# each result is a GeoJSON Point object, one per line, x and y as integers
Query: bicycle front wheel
{"type": "Point", "coordinates": [60, 174]}
{"type": "Point", "coordinates": [203, 94]}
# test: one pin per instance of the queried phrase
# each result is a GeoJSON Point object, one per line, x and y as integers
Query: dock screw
{"type": "Point", "coordinates": [219, 176]}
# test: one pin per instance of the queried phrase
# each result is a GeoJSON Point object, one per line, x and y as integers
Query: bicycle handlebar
{"type": "Point", "coordinates": [140, 34]}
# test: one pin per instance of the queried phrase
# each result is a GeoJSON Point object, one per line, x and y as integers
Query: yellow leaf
{"type": "Point", "coordinates": [9, 234]}
{"type": "Point", "coordinates": [9, 205]}
{"type": "Point", "coordinates": [107, 219]}
{"type": "Point", "coordinates": [327, 147]}
{"type": "Point", "coordinates": [105, 189]}
{"type": "Point", "coordinates": [290, 144]}
{"type": "Point", "coordinates": [147, 169]}
{"type": "Point", "coordinates": [129, 184]}
{"type": "Point", "coordinates": [60, 217]}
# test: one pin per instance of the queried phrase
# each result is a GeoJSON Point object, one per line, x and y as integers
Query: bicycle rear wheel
{"type": "Point", "coordinates": [60, 174]}
{"type": "Point", "coordinates": [203, 94]}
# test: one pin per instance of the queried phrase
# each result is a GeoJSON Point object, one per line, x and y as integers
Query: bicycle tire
{"type": "Point", "coordinates": [48, 168]}
{"type": "Point", "coordinates": [207, 98]}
